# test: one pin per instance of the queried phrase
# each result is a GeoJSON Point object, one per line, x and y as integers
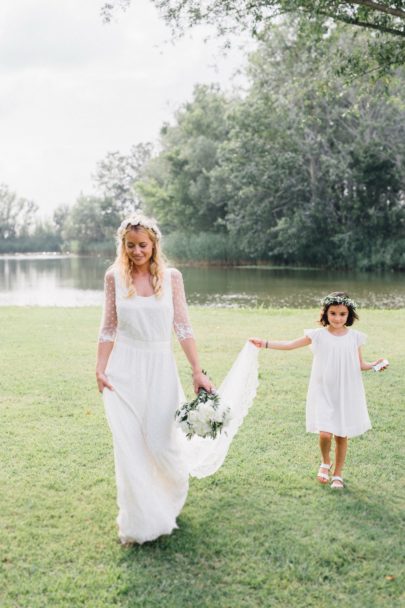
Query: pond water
{"type": "Point", "coordinates": [55, 280]}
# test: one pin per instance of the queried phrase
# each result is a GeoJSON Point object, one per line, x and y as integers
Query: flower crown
{"type": "Point", "coordinates": [138, 219]}
{"type": "Point", "coordinates": [345, 300]}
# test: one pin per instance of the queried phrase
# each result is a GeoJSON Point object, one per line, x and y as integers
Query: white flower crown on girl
{"type": "Point", "coordinates": [329, 300]}
{"type": "Point", "coordinates": [138, 219]}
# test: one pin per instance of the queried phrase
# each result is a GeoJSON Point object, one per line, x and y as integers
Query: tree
{"type": "Point", "coordinates": [117, 174]}
{"type": "Point", "coordinates": [384, 19]}
{"type": "Point", "coordinates": [305, 168]}
{"type": "Point", "coordinates": [91, 224]}
{"type": "Point", "coordinates": [177, 186]}
{"type": "Point", "coordinates": [17, 214]}
{"type": "Point", "coordinates": [60, 216]}
{"type": "Point", "coordinates": [383, 15]}
{"type": "Point", "coordinates": [315, 169]}
{"type": "Point", "coordinates": [44, 237]}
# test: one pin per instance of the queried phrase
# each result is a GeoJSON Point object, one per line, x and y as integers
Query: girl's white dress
{"type": "Point", "coordinates": [153, 458]}
{"type": "Point", "coordinates": [336, 401]}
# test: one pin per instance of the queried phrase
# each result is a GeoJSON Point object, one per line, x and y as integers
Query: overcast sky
{"type": "Point", "coordinates": [73, 88]}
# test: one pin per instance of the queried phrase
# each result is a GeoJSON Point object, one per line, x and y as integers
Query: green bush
{"type": "Point", "coordinates": [90, 247]}
{"type": "Point", "coordinates": [31, 244]}
{"type": "Point", "coordinates": [203, 247]}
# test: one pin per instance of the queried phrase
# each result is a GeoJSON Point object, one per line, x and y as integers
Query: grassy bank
{"type": "Point", "coordinates": [260, 533]}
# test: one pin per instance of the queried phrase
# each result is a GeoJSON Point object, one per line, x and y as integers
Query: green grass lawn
{"type": "Point", "coordinates": [261, 532]}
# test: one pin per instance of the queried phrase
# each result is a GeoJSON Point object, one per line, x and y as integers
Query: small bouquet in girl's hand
{"type": "Point", "coordinates": [205, 416]}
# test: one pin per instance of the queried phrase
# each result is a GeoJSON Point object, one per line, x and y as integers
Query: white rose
{"type": "Point", "coordinates": [205, 412]}
{"type": "Point", "coordinates": [193, 417]}
{"type": "Point", "coordinates": [198, 428]}
{"type": "Point", "coordinates": [218, 415]}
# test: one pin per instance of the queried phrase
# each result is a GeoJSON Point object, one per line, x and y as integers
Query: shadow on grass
{"type": "Point", "coordinates": [254, 546]}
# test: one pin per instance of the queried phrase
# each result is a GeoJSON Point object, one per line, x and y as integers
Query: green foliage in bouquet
{"type": "Point", "coordinates": [204, 416]}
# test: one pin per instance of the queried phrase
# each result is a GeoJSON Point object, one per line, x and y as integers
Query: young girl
{"type": "Point", "coordinates": [336, 403]}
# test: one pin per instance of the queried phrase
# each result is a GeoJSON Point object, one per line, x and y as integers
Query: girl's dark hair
{"type": "Point", "coordinates": [335, 299]}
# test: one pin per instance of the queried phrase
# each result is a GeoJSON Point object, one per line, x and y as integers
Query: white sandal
{"type": "Point", "coordinates": [337, 483]}
{"type": "Point", "coordinates": [323, 476]}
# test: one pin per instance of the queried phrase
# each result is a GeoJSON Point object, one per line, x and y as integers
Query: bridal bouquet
{"type": "Point", "coordinates": [205, 416]}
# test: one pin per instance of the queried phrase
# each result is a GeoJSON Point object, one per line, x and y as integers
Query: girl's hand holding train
{"type": "Point", "coordinates": [258, 342]}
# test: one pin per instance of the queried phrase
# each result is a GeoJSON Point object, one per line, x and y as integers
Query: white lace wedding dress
{"type": "Point", "coordinates": [153, 458]}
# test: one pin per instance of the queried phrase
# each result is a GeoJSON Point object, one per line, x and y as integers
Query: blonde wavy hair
{"type": "Point", "coordinates": [157, 263]}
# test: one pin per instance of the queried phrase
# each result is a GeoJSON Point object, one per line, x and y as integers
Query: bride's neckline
{"type": "Point", "coordinates": [138, 295]}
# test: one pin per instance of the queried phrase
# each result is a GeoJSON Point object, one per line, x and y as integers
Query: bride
{"type": "Point", "coordinates": [137, 375]}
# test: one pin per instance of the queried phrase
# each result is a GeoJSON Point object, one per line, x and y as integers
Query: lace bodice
{"type": "Point", "coordinates": [181, 321]}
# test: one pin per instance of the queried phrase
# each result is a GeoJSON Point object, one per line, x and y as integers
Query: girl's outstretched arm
{"type": "Point", "coordinates": [365, 366]}
{"type": "Point", "coordinates": [281, 345]}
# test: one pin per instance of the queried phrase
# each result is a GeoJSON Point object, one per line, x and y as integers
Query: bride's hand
{"type": "Point", "coordinates": [258, 342]}
{"type": "Point", "coordinates": [102, 382]}
{"type": "Point", "coordinates": [200, 380]}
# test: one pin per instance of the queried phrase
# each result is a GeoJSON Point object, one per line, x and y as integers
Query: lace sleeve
{"type": "Point", "coordinates": [108, 327]}
{"type": "Point", "coordinates": [181, 321]}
